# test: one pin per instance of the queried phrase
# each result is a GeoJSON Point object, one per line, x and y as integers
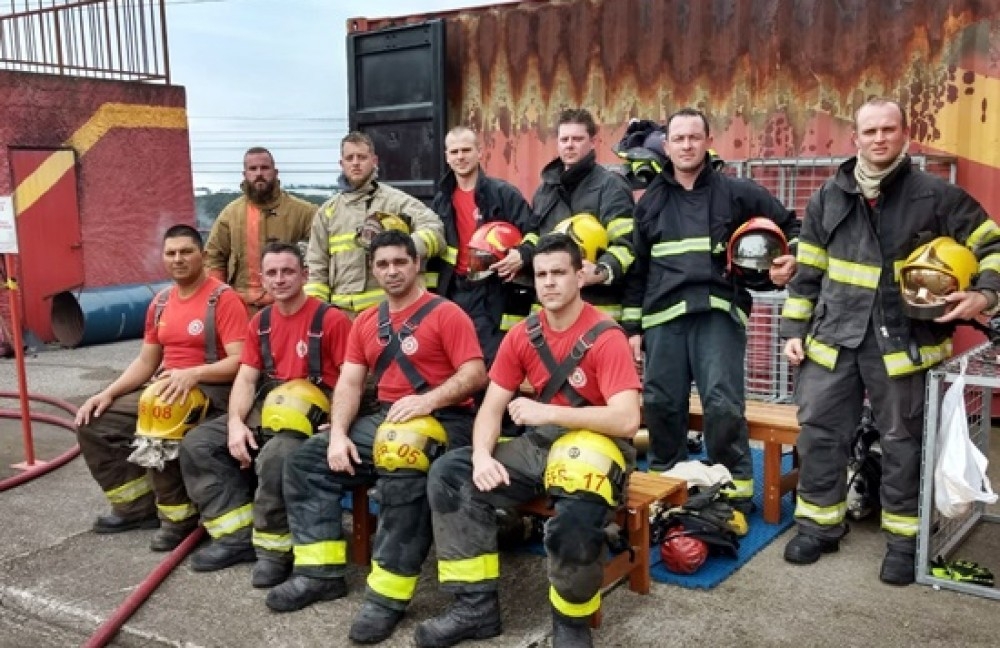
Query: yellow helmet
{"type": "Point", "coordinates": [379, 222]}
{"type": "Point", "coordinates": [932, 271]}
{"type": "Point", "coordinates": [410, 445]}
{"type": "Point", "coordinates": [294, 406]}
{"type": "Point", "coordinates": [588, 233]}
{"type": "Point", "coordinates": [582, 463]}
{"type": "Point", "coordinates": [169, 422]}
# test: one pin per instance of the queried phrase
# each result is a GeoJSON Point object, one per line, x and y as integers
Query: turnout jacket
{"type": "Point", "coordinates": [680, 239]}
{"type": "Point", "coordinates": [338, 268]}
{"type": "Point", "coordinates": [496, 200]}
{"type": "Point", "coordinates": [850, 254]}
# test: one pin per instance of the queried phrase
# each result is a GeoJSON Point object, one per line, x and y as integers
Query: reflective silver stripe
{"type": "Point", "coordinates": [797, 308]}
{"type": "Point", "coordinates": [430, 242]}
{"type": "Point", "coordinates": [507, 322]}
{"type": "Point", "coordinates": [614, 311]}
{"type": "Point", "coordinates": [899, 363]}
{"type": "Point", "coordinates": [675, 311]}
{"type": "Point", "coordinates": [671, 248]}
{"type": "Point", "coordinates": [631, 314]}
{"type": "Point", "coordinates": [450, 255]}
{"type": "Point", "coordinates": [231, 522]}
{"type": "Point", "coordinates": [901, 525]}
{"type": "Point", "coordinates": [342, 243]}
{"type": "Point", "coordinates": [985, 233]}
{"type": "Point", "coordinates": [854, 274]}
{"type": "Point", "coordinates": [620, 227]}
{"type": "Point", "coordinates": [812, 255]}
{"type": "Point", "coordinates": [990, 262]}
{"type": "Point", "coordinates": [822, 515]}
{"type": "Point", "coordinates": [357, 302]}
{"type": "Point", "coordinates": [177, 512]}
{"type": "Point", "coordinates": [318, 290]}
{"type": "Point", "coordinates": [625, 258]}
{"type": "Point", "coordinates": [822, 354]}
{"type": "Point", "coordinates": [718, 303]}
{"type": "Point", "coordinates": [280, 542]}
{"type": "Point", "coordinates": [129, 491]}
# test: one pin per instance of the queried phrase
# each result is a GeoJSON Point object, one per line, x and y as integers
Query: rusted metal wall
{"type": "Point", "coordinates": [777, 78]}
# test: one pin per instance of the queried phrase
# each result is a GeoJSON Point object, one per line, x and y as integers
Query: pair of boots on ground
{"type": "Point", "coordinates": [166, 538]}
{"type": "Point", "coordinates": [898, 565]}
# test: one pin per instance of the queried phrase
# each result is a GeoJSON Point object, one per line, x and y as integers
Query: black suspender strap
{"type": "Point", "coordinates": [211, 350]}
{"type": "Point", "coordinates": [316, 344]}
{"type": "Point", "coordinates": [264, 335]}
{"type": "Point", "coordinates": [559, 372]}
{"type": "Point", "coordinates": [392, 344]}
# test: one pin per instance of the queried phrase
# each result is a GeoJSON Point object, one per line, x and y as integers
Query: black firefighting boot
{"type": "Point", "coordinates": [299, 591]}
{"type": "Point", "coordinates": [898, 567]}
{"type": "Point", "coordinates": [472, 615]}
{"type": "Point", "coordinates": [374, 623]}
{"type": "Point", "coordinates": [570, 632]}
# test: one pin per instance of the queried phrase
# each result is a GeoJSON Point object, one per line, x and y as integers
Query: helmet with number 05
{"type": "Point", "coordinates": [294, 406]}
{"type": "Point", "coordinates": [588, 233]}
{"type": "Point", "coordinates": [488, 245]}
{"type": "Point", "coordinates": [169, 421]}
{"type": "Point", "coordinates": [585, 464]}
{"type": "Point", "coordinates": [411, 445]}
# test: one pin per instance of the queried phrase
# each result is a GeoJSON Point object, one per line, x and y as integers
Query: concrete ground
{"type": "Point", "coordinates": [59, 581]}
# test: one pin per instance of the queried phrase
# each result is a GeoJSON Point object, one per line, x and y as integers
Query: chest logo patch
{"type": "Point", "coordinates": [195, 327]}
{"type": "Point", "coordinates": [409, 345]}
{"type": "Point", "coordinates": [301, 348]}
{"type": "Point", "coordinates": [578, 378]}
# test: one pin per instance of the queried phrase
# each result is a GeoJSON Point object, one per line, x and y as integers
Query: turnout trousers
{"type": "Point", "coordinates": [465, 527]}
{"type": "Point", "coordinates": [830, 405]}
{"type": "Point", "coordinates": [240, 507]}
{"type": "Point", "coordinates": [403, 539]}
{"type": "Point", "coordinates": [709, 347]}
{"type": "Point", "coordinates": [132, 490]}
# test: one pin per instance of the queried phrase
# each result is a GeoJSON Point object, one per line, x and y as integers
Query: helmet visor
{"type": "Point", "coordinates": [925, 286]}
{"type": "Point", "coordinates": [479, 264]}
{"type": "Point", "coordinates": [757, 250]}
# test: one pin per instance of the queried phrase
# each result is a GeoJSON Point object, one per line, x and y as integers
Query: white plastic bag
{"type": "Point", "coordinates": [960, 473]}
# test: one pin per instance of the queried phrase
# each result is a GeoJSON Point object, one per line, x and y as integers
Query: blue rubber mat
{"type": "Point", "coordinates": [718, 568]}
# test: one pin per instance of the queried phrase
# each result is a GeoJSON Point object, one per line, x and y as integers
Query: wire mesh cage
{"type": "Point", "coordinates": [768, 376]}
{"type": "Point", "coordinates": [938, 535]}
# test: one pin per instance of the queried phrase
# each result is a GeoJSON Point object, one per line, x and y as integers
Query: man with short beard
{"type": "Point", "coordinates": [263, 214]}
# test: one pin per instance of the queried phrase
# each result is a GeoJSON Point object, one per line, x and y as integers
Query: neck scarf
{"type": "Point", "coordinates": [869, 178]}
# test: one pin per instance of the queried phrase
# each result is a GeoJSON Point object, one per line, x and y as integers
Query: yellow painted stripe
{"type": "Point", "coordinates": [120, 115]}
{"type": "Point", "coordinates": [42, 180]}
{"type": "Point", "coordinates": [967, 131]}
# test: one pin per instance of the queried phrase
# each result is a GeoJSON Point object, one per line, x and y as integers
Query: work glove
{"type": "Point", "coordinates": [963, 571]}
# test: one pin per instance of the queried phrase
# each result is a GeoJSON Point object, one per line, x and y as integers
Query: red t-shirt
{"type": "Point", "coordinates": [606, 369]}
{"type": "Point", "coordinates": [442, 342]}
{"type": "Point", "coordinates": [289, 340]}
{"type": "Point", "coordinates": [181, 329]}
{"type": "Point", "coordinates": [466, 214]}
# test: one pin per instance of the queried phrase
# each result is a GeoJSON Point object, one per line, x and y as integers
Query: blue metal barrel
{"type": "Point", "coordinates": [100, 315]}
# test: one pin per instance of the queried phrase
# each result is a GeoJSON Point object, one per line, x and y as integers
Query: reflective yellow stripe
{"type": "Point", "coordinates": [793, 241]}
{"type": "Point", "coordinates": [797, 308]}
{"type": "Point", "coordinates": [430, 242]}
{"type": "Point", "coordinates": [620, 227]}
{"type": "Point", "coordinates": [574, 610]}
{"type": "Point", "coordinates": [854, 274]}
{"type": "Point", "coordinates": [507, 322]}
{"type": "Point", "coordinates": [812, 255]}
{"type": "Point", "coordinates": [177, 512]}
{"type": "Point", "coordinates": [899, 363]}
{"type": "Point", "coordinates": [822, 515]}
{"type": "Point", "coordinates": [985, 233]}
{"type": "Point", "coordinates": [990, 262]}
{"type": "Point", "coordinates": [319, 554]}
{"type": "Point", "coordinates": [670, 248]}
{"type": "Point", "coordinates": [625, 258]}
{"type": "Point", "coordinates": [901, 525]}
{"type": "Point", "coordinates": [897, 266]}
{"type": "Point", "coordinates": [741, 489]}
{"type": "Point", "coordinates": [631, 314]}
{"type": "Point", "coordinates": [718, 303]}
{"type": "Point", "coordinates": [320, 291]}
{"type": "Point", "coordinates": [614, 311]}
{"type": "Point", "coordinates": [129, 491]}
{"type": "Point", "coordinates": [531, 239]}
{"type": "Point", "coordinates": [431, 279]}
{"type": "Point", "coordinates": [675, 311]}
{"type": "Point", "coordinates": [357, 302]}
{"type": "Point", "coordinates": [822, 354]}
{"type": "Point", "coordinates": [231, 522]}
{"type": "Point", "coordinates": [469, 570]}
{"type": "Point", "coordinates": [450, 255]}
{"type": "Point", "coordinates": [272, 541]}
{"type": "Point", "coordinates": [389, 585]}
{"type": "Point", "coordinates": [342, 243]}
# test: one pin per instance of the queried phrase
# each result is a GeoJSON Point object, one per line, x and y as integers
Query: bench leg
{"type": "Point", "coordinates": [363, 528]}
{"type": "Point", "coordinates": [638, 578]}
{"type": "Point", "coordinates": [772, 482]}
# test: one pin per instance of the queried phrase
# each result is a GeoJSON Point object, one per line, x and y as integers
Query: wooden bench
{"type": "Point", "coordinates": [775, 425]}
{"type": "Point", "coordinates": [644, 489]}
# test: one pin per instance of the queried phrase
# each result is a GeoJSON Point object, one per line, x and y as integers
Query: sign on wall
{"type": "Point", "coordinates": [8, 227]}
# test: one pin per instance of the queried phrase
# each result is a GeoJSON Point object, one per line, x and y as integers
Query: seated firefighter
{"type": "Point", "coordinates": [289, 365]}
{"type": "Point", "coordinates": [576, 447]}
{"type": "Point", "coordinates": [193, 337]}
{"type": "Point", "coordinates": [423, 353]}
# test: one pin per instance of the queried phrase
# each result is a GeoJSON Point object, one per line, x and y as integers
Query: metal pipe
{"type": "Point", "coordinates": [99, 315]}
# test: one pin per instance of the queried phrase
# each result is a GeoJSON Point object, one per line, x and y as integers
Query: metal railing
{"type": "Point", "coordinates": [123, 40]}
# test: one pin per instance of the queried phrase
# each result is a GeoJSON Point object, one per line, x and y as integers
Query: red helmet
{"type": "Point", "coordinates": [752, 248]}
{"type": "Point", "coordinates": [682, 553]}
{"type": "Point", "coordinates": [488, 245]}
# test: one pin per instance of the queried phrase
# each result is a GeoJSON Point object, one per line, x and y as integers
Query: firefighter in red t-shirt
{"type": "Point", "coordinates": [193, 338]}
{"type": "Point", "coordinates": [578, 363]}
{"type": "Point", "coordinates": [423, 352]}
{"type": "Point", "coordinates": [290, 364]}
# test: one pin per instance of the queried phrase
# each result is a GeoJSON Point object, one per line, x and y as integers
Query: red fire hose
{"type": "Point", "coordinates": [41, 468]}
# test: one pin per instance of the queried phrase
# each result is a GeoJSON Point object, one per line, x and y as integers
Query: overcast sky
{"type": "Point", "coordinates": [269, 73]}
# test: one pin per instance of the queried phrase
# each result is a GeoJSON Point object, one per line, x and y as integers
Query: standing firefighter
{"type": "Point", "coordinates": [422, 351]}
{"type": "Point", "coordinates": [339, 271]}
{"type": "Point", "coordinates": [578, 362]}
{"type": "Point", "coordinates": [846, 327]}
{"type": "Point", "coordinates": [264, 213]}
{"type": "Point", "coordinates": [687, 310]}
{"type": "Point", "coordinates": [194, 335]}
{"type": "Point", "coordinates": [233, 470]}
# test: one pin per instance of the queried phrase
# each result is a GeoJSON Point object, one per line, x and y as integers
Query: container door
{"type": "Point", "coordinates": [396, 85]}
{"type": "Point", "coordinates": [48, 231]}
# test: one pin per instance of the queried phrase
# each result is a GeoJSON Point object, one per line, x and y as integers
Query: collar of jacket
{"type": "Point", "coordinates": [270, 204]}
{"type": "Point", "coordinates": [667, 175]}
{"type": "Point", "coordinates": [845, 175]}
{"type": "Point", "coordinates": [555, 172]}
{"type": "Point", "coordinates": [367, 187]}
{"type": "Point", "coordinates": [449, 182]}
